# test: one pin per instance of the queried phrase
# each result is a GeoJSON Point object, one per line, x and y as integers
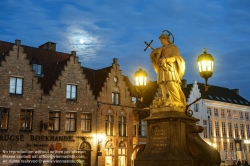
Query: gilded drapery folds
{"type": "Point", "coordinates": [170, 68]}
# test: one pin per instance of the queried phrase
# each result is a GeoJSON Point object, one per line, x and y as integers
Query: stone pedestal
{"type": "Point", "coordinates": [173, 140]}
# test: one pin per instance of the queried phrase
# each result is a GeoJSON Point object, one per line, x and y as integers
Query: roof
{"type": "Point", "coordinates": [96, 78]}
{"type": "Point", "coordinates": [222, 94]}
{"type": "Point", "coordinates": [53, 62]}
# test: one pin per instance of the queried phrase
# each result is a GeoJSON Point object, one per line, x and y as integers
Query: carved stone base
{"type": "Point", "coordinates": [173, 140]}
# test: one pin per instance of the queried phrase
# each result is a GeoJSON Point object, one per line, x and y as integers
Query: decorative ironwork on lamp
{"type": "Point", "coordinates": [206, 66]}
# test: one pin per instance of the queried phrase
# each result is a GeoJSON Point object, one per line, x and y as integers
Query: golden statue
{"type": "Point", "coordinates": [170, 68]}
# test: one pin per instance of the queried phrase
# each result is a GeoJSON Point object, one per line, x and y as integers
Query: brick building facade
{"type": "Point", "coordinates": [48, 99]}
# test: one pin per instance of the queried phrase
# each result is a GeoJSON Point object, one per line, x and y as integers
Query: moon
{"type": "Point", "coordinates": [81, 41]}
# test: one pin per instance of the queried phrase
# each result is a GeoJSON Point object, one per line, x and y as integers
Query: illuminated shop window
{"type": "Point", "coordinates": [122, 126]}
{"type": "Point", "coordinates": [16, 85]}
{"type": "Point", "coordinates": [26, 117]}
{"type": "Point", "coordinates": [70, 122]}
{"type": "Point", "coordinates": [4, 118]}
{"type": "Point", "coordinates": [109, 124]}
{"type": "Point", "coordinates": [54, 121]}
{"type": "Point", "coordinates": [122, 154]}
{"type": "Point", "coordinates": [109, 154]}
{"type": "Point", "coordinates": [86, 122]}
{"type": "Point", "coordinates": [71, 92]}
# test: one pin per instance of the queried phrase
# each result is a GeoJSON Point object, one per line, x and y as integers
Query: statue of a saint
{"type": "Point", "coordinates": [170, 67]}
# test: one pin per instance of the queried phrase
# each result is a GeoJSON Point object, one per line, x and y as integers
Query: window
{"type": "Point", "coordinates": [223, 126]}
{"type": "Point", "coordinates": [211, 128]}
{"type": "Point", "coordinates": [231, 147]}
{"type": "Point", "coordinates": [235, 115]}
{"type": "Point", "coordinates": [215, 112]}
{"type": "Point", "coordinates": [204, 122]}
{"type": "Point", "coordinates": [4, 118]}
{"type": "Point", "coordinates": [230, 130]}
{"type": "Point", "coordinates": [122, 126]}
{"type": "Point", "coordinates": [38, 69]}
{"type": "Point", "coordinates": [115, 98]}
{"type": "Point", "coordinates": [70, 123]}
{"type": "Point", "coordinates": [236, 130]}
{"type": "Point", "coordinates": [109, 152]}
{"type": "Point", "coordinates": [134, 100]}
{"type": "Point", "coordinates": [229, 113]}
{"type": "Point", "coordinates": [26, 116]}
{"type": "Point", "coordinates": [71, 92]}
{"type": "Point", "coordinates": [135, 130]}
{"type": "Point", "coordinates": [241, 115]}
{"type": "Point", "coordinates": [209, 111]}
{"type": "Point", "coordinates": [86, 119]}
{"type": "Point", "coordinates": [54, 121]}
{"type": "Point", "coordinates": [217, 133]}
{"type": "Point", "coordinates": [122, 152]}
{"type": "Point", "coordinates": [247, 116]}
{"type": "Point", "coordinates": [196, 107]}
{"type": "Point", "coordinates": [109, 124]}
{"type": "Point", "coordinates": [225, 149]}
{"type": "Point", "coordinates": [242, 131]}
{"type": "Point", "coordinates": [248, 131]}
{"type": "Point", "coordinates": [205, 131]}
{"type": "Point", "coordinates": [16, 85]}
{"type": "Point", "coordinates": [222, 113]}
{"type": "Point", "coordinates": [142, 128]}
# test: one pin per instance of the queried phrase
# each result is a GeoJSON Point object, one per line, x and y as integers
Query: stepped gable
{"type": "Point", "coordinates": [96, 78]}
{"type": "Point", "coordinates": [4, 49]}
{"type": "Point", "coordinates": [131, 88]}
{"type": "Point", "coordinates": [53, 62]}
{"type": "Point", "coordinates": [187, 90]}
{"type": "Point", "coordinates": [222, 94]}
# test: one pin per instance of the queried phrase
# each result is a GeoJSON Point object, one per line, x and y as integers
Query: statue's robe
{"type": "Point", "coordinates": [169, 73]}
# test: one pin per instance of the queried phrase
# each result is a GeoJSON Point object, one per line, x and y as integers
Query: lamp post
{"type": "Point", "coordinates": [205, 63]}
{"type": "Point", "coordinates": [140, 78]}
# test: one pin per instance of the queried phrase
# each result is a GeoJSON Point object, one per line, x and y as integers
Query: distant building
{"type": "Point", "coordinates": [224, 115]}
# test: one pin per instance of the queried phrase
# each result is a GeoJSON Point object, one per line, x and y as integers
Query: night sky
{"type": "Point", "coordinates": [100, 30]}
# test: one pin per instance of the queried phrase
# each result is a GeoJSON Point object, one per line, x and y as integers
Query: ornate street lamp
{"type": "Point", "coordinates": [140, 78]}
{"type": "Point", "coordinates": [206, 67]}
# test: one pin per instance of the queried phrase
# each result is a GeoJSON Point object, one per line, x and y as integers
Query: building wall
{"type": "Point", "coordinates": [14, 139]}
{"type": "Point", "coordinates": [199, 110]}
{"type": "Point", "coordinates": [124, 108]}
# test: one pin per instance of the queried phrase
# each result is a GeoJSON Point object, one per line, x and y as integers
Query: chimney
{"type": "Point", "coordinates": [115, 61]}
{"type": "Point", "coordinates": [183, 83]}
{"type": "Point", "coordinates": [48, 46]}
{"type": "Point", "coordinates": [18, 42]}
{"type": "Point", "coordinates": [237, 91]}
{"type": "Point", "coordinates": [73, 53]}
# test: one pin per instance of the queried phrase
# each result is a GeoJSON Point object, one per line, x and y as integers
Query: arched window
{"type": "Point", "coordinates": [122, 154]}
{"type": "Point", "coordinates": [109, 154]}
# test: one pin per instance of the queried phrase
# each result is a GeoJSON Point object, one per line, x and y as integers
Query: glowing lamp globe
{"type": "Point", "coordinates": [206, 65]}
{"type": "Point", "coordinates": [140, 77]}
